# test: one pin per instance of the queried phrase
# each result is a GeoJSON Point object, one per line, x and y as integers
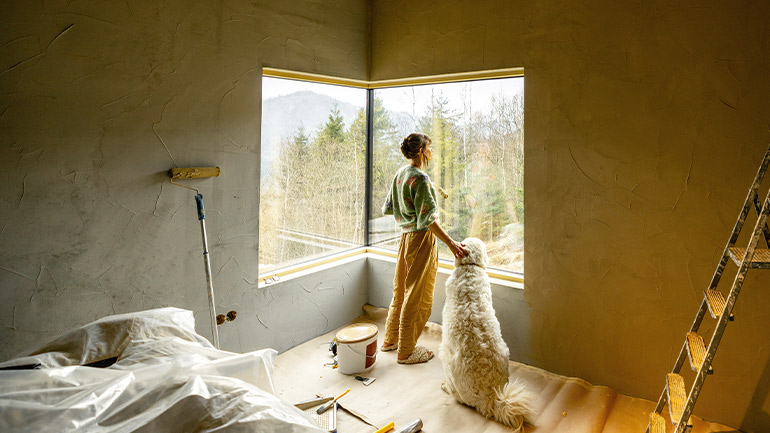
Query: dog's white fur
{"type": "Point", "coordinates": [472, 351]}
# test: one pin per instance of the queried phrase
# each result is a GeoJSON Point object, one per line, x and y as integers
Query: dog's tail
{"type": "Point", "coordinates": [513, 405]}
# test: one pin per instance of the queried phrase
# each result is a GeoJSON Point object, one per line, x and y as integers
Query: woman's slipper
{"type": "Point", "coordinates": [389, 348]}
{"type": "Point", "coordinates": [419, 355]}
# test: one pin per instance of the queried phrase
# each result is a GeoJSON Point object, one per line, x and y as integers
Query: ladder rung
{"type": "Point", "coordinates": [696, 350]}
{"type": "Point", "coordinates": [715, 302]}
{"type": "Point", "coordinates": [676, 396]}
{"type": "Point", "coordinates": [760, 260]}
{"type": "Point", "coordinates": [657, 423]}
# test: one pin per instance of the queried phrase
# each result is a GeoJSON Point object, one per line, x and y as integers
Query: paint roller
{"type": "Point", "coordinates": [200, 173]}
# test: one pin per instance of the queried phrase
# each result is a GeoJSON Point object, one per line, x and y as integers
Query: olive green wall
{"type": "Point", "coordinates": [645, 122]}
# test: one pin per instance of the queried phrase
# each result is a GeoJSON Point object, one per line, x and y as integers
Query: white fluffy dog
{"type": "Point", "coordinates": [472, 351]}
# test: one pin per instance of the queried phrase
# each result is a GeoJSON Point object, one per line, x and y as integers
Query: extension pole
{"type": "Point", "coordinates": [212, 307]}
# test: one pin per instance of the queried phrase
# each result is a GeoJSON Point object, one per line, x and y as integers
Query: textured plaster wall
{"type": "Point", "coordinates": [645, 122]}
{"type": "Point", "coordinates": [294, 311]}
{"type": "Point", "coordinates": [98, 99]}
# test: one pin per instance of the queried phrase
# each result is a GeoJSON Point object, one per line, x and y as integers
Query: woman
{"type": "Point", "coordinates": [412, 201]}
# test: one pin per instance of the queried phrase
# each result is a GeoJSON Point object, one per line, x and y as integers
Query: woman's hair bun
{"type": "Point", "coordinates": [412, 144]}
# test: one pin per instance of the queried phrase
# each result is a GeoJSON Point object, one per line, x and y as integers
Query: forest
{"type": "Point", "coordinates": [313, 199]}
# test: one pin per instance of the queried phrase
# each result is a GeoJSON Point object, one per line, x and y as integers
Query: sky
{"type": "Point", "coordinates": [415, 99]}
{"type": "Point", "coordinates": [274, 87]}
{"type": "Point", "coordinates": [410, 99]}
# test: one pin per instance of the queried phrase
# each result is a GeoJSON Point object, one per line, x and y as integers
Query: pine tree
{"type": "Point", "coordinates": [386, 157]}
{"type": "Point", "coordinates": [447, 165]}
{"type": "Point", "coordinates": [293, 181]}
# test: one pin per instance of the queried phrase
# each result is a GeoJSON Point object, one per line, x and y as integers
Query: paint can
{"type": "Point", "coordinates": [356, 348]}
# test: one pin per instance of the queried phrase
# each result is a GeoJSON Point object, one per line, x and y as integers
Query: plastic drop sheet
{"type": "Point", "coordinates": [166, 378]}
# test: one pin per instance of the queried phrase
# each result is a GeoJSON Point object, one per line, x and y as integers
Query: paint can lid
{"type": "Point", "coordinates": [356, 332]}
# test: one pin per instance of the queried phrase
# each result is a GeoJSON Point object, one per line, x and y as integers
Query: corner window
{"type": "Point", "coordinates": [313, 158]}
{"type": "Point", "coordinates": [314, 150]}
{"type": "Point", "coordinates": [477, 166]}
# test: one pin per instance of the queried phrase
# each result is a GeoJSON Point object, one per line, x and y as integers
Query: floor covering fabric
{"type": "Point", "coordinates": [403, 393]}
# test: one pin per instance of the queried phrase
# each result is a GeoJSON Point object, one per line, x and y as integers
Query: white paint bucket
{"type": "Point", "coordinates": [356, 348]}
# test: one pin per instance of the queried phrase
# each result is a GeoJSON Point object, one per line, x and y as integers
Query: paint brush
{"type": "Point", "coordinates": [388, 427]}
{"type": "Point", "coordinates": [326, 406]}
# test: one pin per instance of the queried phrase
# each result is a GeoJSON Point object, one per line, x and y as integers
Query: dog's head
{"type": "Point", "coordinates": [477, 253]}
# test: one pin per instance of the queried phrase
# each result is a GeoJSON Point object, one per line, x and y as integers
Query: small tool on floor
{"type": "Point", "coordinates": [412, 427]}
{"type": "Point", "coordinates": [366, 380]}
{"type": "Point", "coordinates": [327, 420]}
{"type": "Point", "coordinates": [325, 407]}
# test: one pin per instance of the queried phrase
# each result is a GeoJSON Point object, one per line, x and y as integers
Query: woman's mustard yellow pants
{"type": "Point", "coordinates": [413, 286]}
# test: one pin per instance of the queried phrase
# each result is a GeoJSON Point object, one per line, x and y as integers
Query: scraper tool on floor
{"type": "Point", "coordinates": [366, 380]}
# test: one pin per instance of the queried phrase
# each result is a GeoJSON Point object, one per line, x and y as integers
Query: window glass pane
{"type": "Point", "coordinates": [312, 171]}
{"type": "Point", "coordinates": [478, 160]}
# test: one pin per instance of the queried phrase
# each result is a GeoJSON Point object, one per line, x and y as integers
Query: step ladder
{"type": "Point", "coordinates": [681, 403]}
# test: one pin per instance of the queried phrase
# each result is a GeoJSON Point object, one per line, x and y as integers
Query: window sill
{"type": "Point", "coordinates": [496, 276]}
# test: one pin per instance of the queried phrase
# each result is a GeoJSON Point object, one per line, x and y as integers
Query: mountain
{"type": "Point", "coordinates": [282, 115]}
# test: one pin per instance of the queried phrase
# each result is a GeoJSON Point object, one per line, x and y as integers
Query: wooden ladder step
{"type": "Point", "coordinates": [696, 350]}
{"type": "Point", "coordinates": [676, 396]}
{"type": "Point", "coordinates": [761, 259]}
{"type": "Point", "coordinates": [715, 302]}
{"type": "Point", "coordinates": [657, 423]}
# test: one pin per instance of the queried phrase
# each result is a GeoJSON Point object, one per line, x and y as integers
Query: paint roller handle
{"type": "Point", "coordinates": [199, 203]}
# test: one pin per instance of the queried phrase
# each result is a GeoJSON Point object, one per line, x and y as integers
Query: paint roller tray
{"type": "Point", "coordinates": [326, 420]}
